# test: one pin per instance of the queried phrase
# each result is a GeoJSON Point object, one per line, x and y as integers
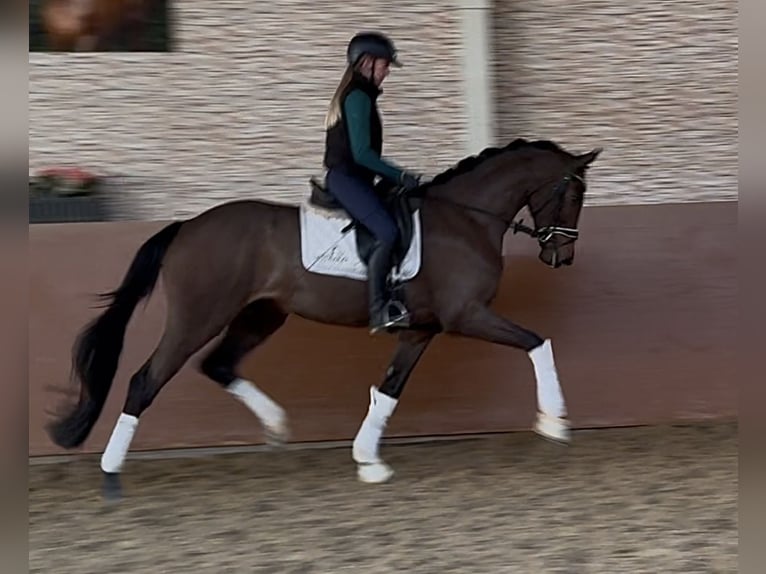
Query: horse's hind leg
{"type": "Point", "coordinates": [251, 327]}
{"type": "Point", "coordinates": [181, 339]}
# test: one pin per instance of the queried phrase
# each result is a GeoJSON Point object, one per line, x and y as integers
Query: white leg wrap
{"type": "Point", "coordinates": [365, 450]}
{"type": "Point", "coordinates": [270, 413]}
{"type": "Point", "coordinates": [549, 399]}
{"type": "Point", "coordinates": [119, 443]}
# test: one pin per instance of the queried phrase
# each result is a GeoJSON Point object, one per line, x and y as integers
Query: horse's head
{"type": "Point", "coordinates": [500, 181]}
{"type": "Point", "coordinates": [556, 208]}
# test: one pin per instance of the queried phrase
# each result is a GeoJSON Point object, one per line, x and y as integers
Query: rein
{"type": "Point", "coordinates": [542, 234]}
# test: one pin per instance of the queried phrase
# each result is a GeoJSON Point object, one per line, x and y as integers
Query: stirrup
{"type": "Point", "coordinates": [400, 320]}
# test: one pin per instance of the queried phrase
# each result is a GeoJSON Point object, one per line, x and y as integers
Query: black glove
{"type": "Point", "coordinates": [409, 181]}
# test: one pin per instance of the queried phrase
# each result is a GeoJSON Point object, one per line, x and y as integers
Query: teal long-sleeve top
{"type": "Point", "coordinates": [357, 109]}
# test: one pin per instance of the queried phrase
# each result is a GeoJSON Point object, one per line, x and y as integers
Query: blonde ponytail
{"type": "Point", "coordinates": [334, 112]}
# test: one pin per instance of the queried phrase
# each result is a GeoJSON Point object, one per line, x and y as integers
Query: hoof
{"type": "Point", "coordinates": [111, 488]}
{"type": "Point", "coordinates": [553, 428]}
{"type": "Point", "coordinates": [374, 472]}
{"type": "Point", "coordinates": [276, 436]}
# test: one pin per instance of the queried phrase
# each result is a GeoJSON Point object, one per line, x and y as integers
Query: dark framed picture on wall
{"type": "Point", "coordinates": [99, 26]}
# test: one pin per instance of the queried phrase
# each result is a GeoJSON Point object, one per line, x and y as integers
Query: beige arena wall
{"type": "Point", "coordinates": [654, 83]}
{"type": "Point", "coordinates": [237, 109]}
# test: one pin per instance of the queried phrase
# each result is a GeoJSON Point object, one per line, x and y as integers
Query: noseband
{"type": "Point", "coordinates": [545, 234]}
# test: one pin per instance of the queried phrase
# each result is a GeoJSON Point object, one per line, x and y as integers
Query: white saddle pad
{"type": "Point", "coordinates": [325, 250]}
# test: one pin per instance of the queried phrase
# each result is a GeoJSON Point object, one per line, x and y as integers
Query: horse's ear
{"type": "Point", "coordinates": [586, 159]}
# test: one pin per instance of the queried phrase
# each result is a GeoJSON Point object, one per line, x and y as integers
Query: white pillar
{"type": "Point", "coordinates": [476, 24]}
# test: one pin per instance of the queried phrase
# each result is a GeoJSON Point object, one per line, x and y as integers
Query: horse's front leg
{"type": "Point", "coordinates": [383, 402]}
{"type": "Point", "coordinates": [480, 322]}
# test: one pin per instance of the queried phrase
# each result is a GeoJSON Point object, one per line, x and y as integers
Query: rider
{"type": "Point", "coordinates": [353, 159]}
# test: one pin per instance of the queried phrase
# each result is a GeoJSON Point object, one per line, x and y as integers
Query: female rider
{"type": "Point", "coordinates": [353, 159]}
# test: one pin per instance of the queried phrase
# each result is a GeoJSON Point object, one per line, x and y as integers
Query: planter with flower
{"type": "Point", "coordinates": [66, 194]}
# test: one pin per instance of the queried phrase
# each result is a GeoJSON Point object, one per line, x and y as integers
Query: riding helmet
{"type": "Point", "coordinates": [374, 44]}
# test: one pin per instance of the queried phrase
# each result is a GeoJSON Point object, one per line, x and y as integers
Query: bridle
{"type": "Point", "coordinates": [548, 232]}
{"type": "Point", "coordinates": [542, 234]}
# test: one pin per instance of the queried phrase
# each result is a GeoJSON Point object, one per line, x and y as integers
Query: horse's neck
{"type": "Point", "coordinates": [490, 189]}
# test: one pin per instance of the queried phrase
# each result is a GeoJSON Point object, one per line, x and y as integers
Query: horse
{"type": "Point", "coordinates": [238, 270]}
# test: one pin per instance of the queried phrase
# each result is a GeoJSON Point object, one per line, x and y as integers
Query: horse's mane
{"type": "Point", "coordinates": [471, 162]}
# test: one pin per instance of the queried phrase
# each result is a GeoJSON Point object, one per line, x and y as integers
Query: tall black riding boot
{"type": "Point", "coordinates": [384, 313]}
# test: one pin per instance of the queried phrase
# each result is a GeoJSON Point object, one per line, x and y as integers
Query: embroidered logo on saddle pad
{"type": "Point", "coordinates": [325, 250]}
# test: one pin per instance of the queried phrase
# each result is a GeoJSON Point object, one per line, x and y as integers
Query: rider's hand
{"type": "Point", "coordinates": [409, 181]}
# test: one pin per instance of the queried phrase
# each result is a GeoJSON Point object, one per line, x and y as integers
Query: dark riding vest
{"type": "Point", "coordinates": [337, 146]}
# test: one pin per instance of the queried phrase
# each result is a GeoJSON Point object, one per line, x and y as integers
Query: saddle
{"type": "Point", "coordinates": [400, 205]}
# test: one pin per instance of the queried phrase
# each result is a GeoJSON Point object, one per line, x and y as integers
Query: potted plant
{"type": "Point", "coordinates": [66, 194]}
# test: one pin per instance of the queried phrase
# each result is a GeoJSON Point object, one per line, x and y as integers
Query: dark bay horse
{"type": "Point", "coordinates": [236, 270]}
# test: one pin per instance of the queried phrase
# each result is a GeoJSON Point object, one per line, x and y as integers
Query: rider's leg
{"type": "Point", "coordinates": [363, 204]}
{"type": "Point", "coordinates": [378, 268]}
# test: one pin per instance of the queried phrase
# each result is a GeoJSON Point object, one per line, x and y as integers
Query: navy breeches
{"type": "Point", "coordinates": [359, 199]}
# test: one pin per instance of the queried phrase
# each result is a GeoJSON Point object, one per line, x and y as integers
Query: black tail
{"type": "Point", "coordinates": [96, 352]}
